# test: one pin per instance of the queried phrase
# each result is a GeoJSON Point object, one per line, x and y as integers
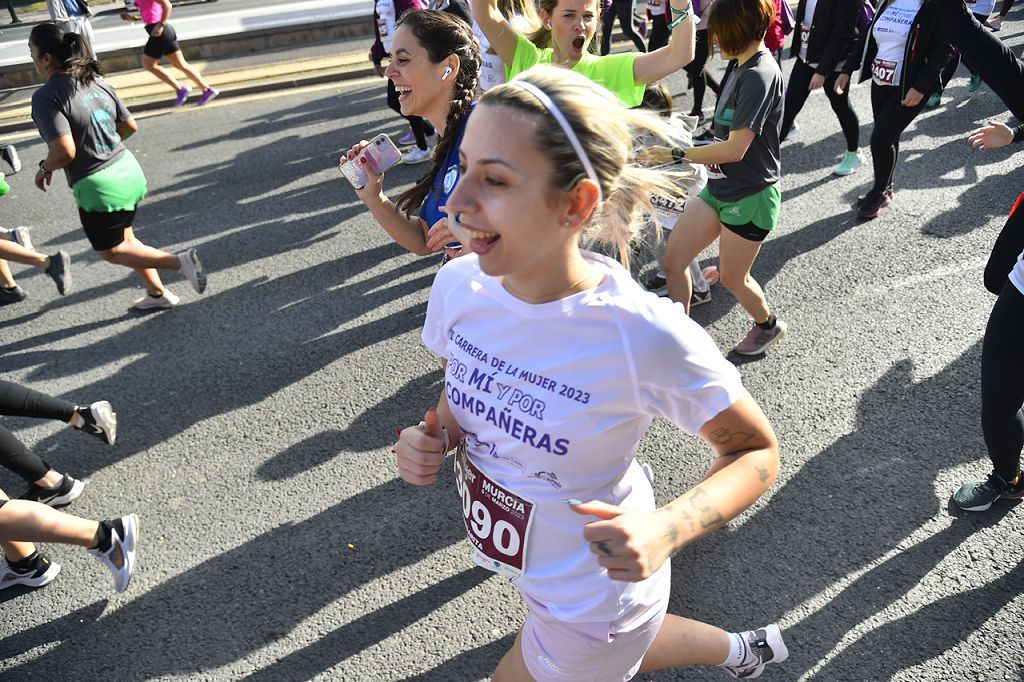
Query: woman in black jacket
{"type": "Point", "coordinates": [904, 52]}
{"type": "Point", "coordinates": [826, 30]}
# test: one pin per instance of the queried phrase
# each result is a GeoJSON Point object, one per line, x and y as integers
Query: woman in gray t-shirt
{"type": "Point", "coordinates": [84, 123]}
{"type": "Point", "coordinates": [740, 204]}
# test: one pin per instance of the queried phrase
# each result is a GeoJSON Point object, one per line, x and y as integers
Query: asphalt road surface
{"type": "Point", "coordinates": [277, 542]}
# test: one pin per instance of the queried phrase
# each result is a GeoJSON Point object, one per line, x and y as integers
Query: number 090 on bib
{"type": "Point", "coordinates": [497, 520]}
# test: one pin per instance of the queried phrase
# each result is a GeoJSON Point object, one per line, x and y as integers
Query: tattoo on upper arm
{"type": "Point", "coordinates": [762, 474]}
{"type": "Point", "coordinates": [727, 438]}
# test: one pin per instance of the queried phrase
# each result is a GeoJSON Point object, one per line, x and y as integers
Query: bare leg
{"type": "Point", "coordinates": [697, 228]}
{"type": "Point", "coordinates": [26, 521]}
{"type": "Point", "coordinates": [6, 278]}
{"type": "Point", "coordinates": [512, 667]}
{"type": "Point", "coordinates": [153, 66]}
{"type": "Point", "coordinates": [145, 260]}
{"type": "Point", "coordinates": [736, 256]}
{"type": "Point", "coordinates": [13, 251]}
{"type": "Point", "coordinates": [51, 479]}
{"type": "Point", "coordinates": [681, 642]}
{"type": "Point", "coordinates": [178, 61]}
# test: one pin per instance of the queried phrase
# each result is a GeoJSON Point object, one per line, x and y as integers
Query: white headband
{"type": "Point", "coordinates": [549, 104]}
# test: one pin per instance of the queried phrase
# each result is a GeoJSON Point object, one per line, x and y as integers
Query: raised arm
{"type": "Point", "coordinates": [653, 66]}
{"type": "Point", "coordinates": [499, 31]}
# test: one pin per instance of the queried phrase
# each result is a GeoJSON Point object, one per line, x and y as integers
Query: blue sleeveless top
{"type": "Point", "coordinates": [445, 179]}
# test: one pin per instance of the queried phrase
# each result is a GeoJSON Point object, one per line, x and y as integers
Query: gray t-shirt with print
{"type": "Point", "coordinates": [89, 113]}
{"type": "Point", "coordinates": [751, 98]}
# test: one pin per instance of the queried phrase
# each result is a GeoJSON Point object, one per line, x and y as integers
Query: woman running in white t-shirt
{"type": "Point", "coordinates": [556, 364]}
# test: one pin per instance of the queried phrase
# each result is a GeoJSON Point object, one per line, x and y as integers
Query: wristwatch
{"type": "Point", "coordinates": [43, 168]}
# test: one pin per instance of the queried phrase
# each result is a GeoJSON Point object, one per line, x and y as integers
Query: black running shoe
{"type": "Point", "coordinates": [13, 295]}
{"type": "Point", "coordinates": [66, 492]}
{"type": "Point", "coordinates": [100, 420]}
{"type": "Point", "coordinates": [59, 270]}
{"type": "Point", "coordinates": [40, 572]}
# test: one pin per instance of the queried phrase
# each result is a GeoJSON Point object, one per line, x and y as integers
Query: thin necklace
{"type": "Point", "coordinates": [547, 298]}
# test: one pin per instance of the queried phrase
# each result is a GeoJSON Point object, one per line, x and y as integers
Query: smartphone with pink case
{"type": "Point", "coordinates": [380, 155]}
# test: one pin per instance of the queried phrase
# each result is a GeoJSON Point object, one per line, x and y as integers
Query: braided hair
{"type": "Point", "coordinates": [443, 35]}
{"type": "Point", "coordinates": [71, 51]}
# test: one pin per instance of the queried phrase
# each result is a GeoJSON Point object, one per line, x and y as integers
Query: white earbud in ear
{"type": "Point", "coordinates": [447, 72]}
{"type": "Point", "coordinates": [549, 25]}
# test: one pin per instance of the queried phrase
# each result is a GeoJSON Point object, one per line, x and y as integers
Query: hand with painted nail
{"type": "Point", "coordinates": [421, 450]}
{"type": "Point", "coordinates": [631, 545]}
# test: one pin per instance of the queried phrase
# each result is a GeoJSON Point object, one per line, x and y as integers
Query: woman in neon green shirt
{"type": "Point", "coordinates": [568, 28]}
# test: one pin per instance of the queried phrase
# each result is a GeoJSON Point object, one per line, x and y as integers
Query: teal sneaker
{"type": "Point", "coordinates": [974, 84]}
{"type": "Point", "coordinates": [935, 100]}
{"type": "Point", "coordinates": [979, 495]}
{"type": "Point", "coordinates": [849, 164]}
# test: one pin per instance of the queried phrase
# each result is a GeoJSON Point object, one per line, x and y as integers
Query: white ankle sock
{"type": "Point", "coordinates": [739, 652]}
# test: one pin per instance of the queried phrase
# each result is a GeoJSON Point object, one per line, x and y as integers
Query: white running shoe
{"type": "Point", "coordinates": [165, 300]}
{"type": "Point", "coordinates": [192, 269]}
{"type": "Point", "coordinates": [417, 155]}
{"type": "Point", "coordinates": [100, 420]}
{"type": "Point", "coordinates": [119, 557]}
{"type": "Point", "coordinates": [21, 236]}
{"type": "Point", "coordinates": [41, 572]}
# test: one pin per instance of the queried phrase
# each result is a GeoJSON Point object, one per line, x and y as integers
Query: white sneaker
{"type": "Point", "coordinates": [764, 646]}
{"type": "Point", "coordinates": [21, 236]}
{"type": "Point", "coordinates": [119, 558]}
{"type": "Point", "coordinates": [165, 300]}
{"type": "Point", "coordinates": [417, 155]}
{"type": "Point", "coordinates": [192, 269]}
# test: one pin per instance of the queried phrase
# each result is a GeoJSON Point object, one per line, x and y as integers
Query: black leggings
{"type": "Point", "coordinates": [421, 127]}
{"type": "Point", "coordinates": [989, 56]}
{"type": "Point", "coordinates": [891, 119]}
{"type": "Point", "coordinates": [697, 74]}
{"type": "Point", "coordinates": [18, 401]}
{"type": "Point", "coordinates": [796, 95]}
{"type": "Point", "coordinates": [623, 9]}
{"type": "Point", "coordinates": [659, 32]}
{"type": "Point", "coordinates": [1002, 383]}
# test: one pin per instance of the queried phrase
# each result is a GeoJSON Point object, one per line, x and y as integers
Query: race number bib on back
{"type": "Point", "coordinates": [497, 520]}
{"type": "Point", "coordinates": [883, 71]}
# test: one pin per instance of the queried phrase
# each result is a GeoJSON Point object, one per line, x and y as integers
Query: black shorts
{"type": "Point", "coordinates": [160, 47]}
{"type": "Point", "coordinates": [748, 231]}
{"type": "Point", "coordinates": [105, 230]}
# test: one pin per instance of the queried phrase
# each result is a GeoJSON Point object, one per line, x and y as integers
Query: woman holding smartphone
{"type": "Point", "coordinates": [551, 491]}
{"type": "Point", "coordinates": [740, 204]}
{"type": "Point", "coordinates": [435, 67]}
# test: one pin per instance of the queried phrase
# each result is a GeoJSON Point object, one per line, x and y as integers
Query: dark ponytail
{"type": "Point", "coordinates": [442, 35]}
{"type": "Point", "coordinates": [71, 51]}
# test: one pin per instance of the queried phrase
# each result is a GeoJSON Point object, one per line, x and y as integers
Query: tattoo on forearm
{"type": "Point", "coordinates": [696, 508]}
{"type": "Point", "coordinates": [733, 440]}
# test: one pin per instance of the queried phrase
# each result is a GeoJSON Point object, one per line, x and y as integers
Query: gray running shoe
{"type": "Point", "coordinates": [699, 298]}
{"type": "Point", "coordinates": [59, 271]}
{"type": "Point", "coordinates": [758, 339]}
{"type": "Point", "coordinates": [764, 646]}
{"type": "Point", "coordinates": [979, 495]}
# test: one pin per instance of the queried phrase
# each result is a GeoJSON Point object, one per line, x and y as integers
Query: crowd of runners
{"type": "Point", "coordinates": [548, 162]}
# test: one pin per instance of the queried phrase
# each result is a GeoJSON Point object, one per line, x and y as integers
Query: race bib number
{"type": "Point", "coordinates": [714, 170]}
{"type": "Point", "coordinates": [805, 35]}
{"type": "Point", "coordinates": [883, 71]}
{"type": "Point", "coordinates": [497, 520]}
{"type": "Point", "coordinates": [382, 28]}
